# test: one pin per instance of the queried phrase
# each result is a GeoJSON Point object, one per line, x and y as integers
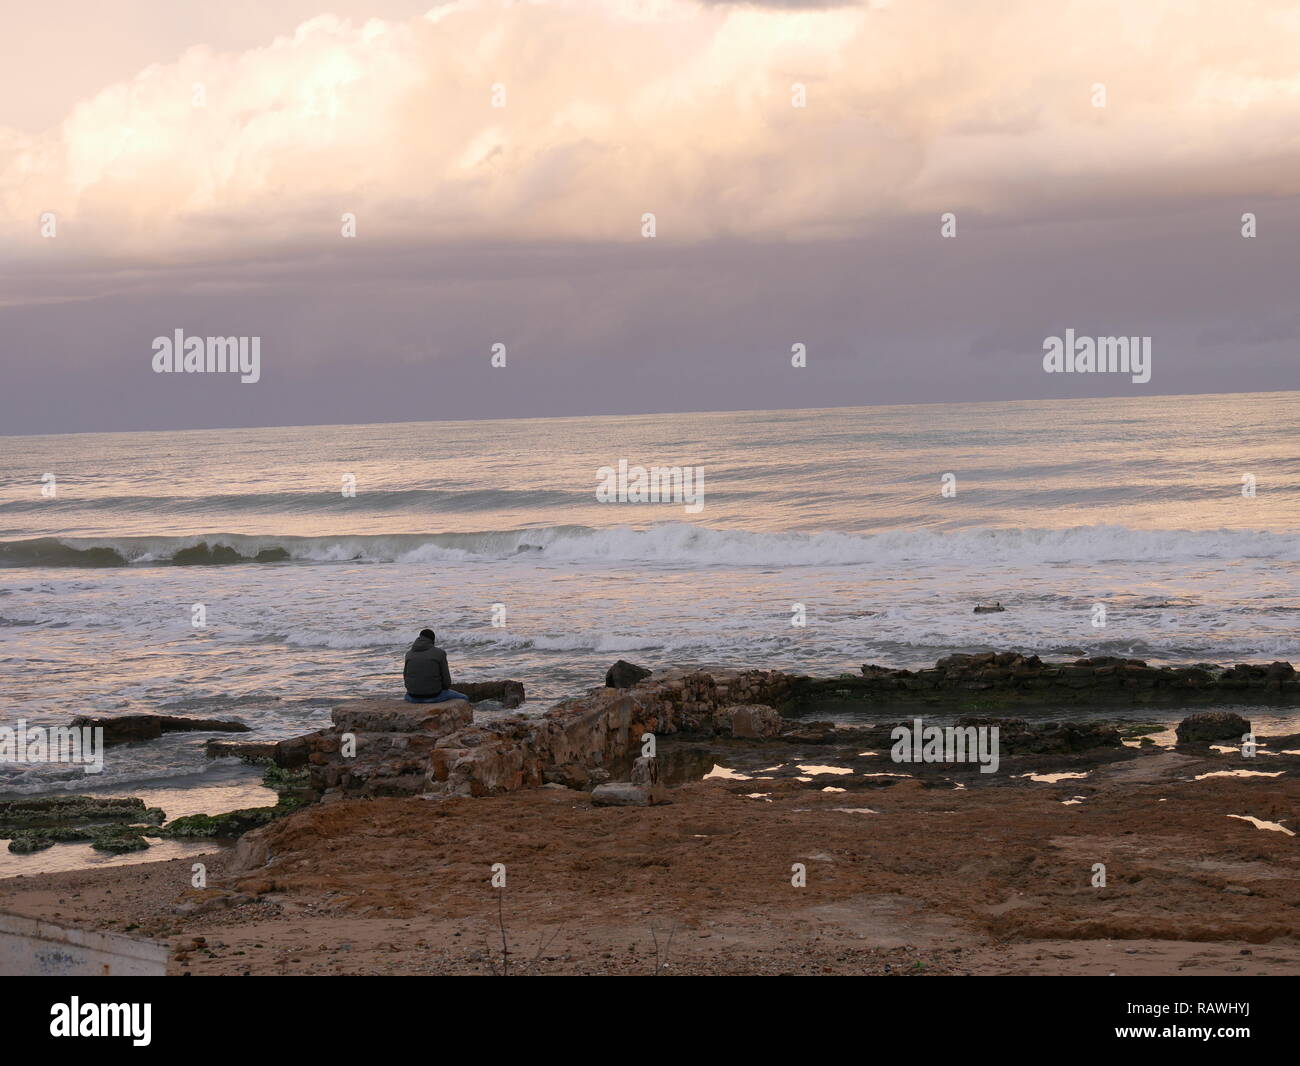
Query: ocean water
{"type": "Point", "coordinates": [1058, 506]}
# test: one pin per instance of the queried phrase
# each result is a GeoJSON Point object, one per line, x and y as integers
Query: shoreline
{"type": "Point", "coordinates": [990, 878]}
{"type": "Point", "coordinates": [909, 869]}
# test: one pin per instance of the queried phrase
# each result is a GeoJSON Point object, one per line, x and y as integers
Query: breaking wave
{"type": "Point", "coordinates": [681, 544]}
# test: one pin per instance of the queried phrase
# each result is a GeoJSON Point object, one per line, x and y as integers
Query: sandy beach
{"type": "Point", "coordinates": [905, 875]}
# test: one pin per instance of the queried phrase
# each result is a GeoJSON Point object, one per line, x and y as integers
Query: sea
{"type": "Point", "coordinates": [267, 574]}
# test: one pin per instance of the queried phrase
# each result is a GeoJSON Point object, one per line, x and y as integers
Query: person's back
{"type": "Point", "coordinates": [426, 673]}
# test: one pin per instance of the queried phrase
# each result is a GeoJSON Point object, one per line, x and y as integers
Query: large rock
{"type": "Point", "coordinates": [48, 812]}
{"type": "Point", "coordinates": [509, 693]}
{"type": "Point", "coordinates": [620, 794]}
{"type": "Point", "coordinates": [753, 720]}
{"type": "Point", "coordinates": [290, 754]}
{"type": "Point", "coordinates": [624, 674]}
{"type": "Point", "coordinates": [126, 728]}
{"type": "Point", "coordinates": [398, 716]}
{"type": "Point", "coordinates": [1212, 725]}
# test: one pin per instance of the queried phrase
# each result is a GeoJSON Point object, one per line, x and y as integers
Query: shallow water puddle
{"type": "Point", "coordinates": [1240, 773]}
{"type": "Point", "coordinates": [1051, 779]}
{"type": "Point", "coordinates": [839, 810]}
{"type": "Point", "coordinates": [758, 796]}
{"type": "Point", "coordinates": [721, 773]}
{"type": "Point", "coordinates": [1235, 749]}
{"type": "Point", "coordinates": [832, 788]}
{"type": "Point", "coordinates": [814, 769]}
{"type": "Point", "coordinates": [1259, 823]}
{"type": "Point", "coordinates": [1166, 739]}
{"type": "Point", "coordinates": [1073, 800]}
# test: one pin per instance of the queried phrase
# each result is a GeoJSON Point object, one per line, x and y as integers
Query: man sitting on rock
{"type": "Point", "coordinates": [426, 675]}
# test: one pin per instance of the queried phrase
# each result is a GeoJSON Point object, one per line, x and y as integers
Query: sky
{"type": "Point", "coordinates": [173, 166]}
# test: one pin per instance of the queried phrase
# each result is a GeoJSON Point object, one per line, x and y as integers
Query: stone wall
{"type": "Point", "coordinates": [407, 749]}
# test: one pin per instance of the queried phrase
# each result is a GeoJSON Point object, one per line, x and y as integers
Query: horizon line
{"type": "Point", "coordinates": [657, 414]}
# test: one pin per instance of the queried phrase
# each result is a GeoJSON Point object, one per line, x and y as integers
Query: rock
{"type": "Point", "coordinates": [954, 661]}
{"type": "Point", "coordinates": [624, 674]}
{"type": "Point", "coordinates": [645, 772]}
{"type": "Point", "coordinates": [569, 775]}
{"type": "Point", "coordinates": [996, 608]}
{"type": "Point", "coordinates": [438, 750]}
{"type": "Point", "coordinates": [253, 751]}
{"type": "Point", "coordinates": [809, 732]}
{"type": "Point", "coordinates": [251, 853]}
{"type": "Point", "coordinates": [754, 720]}
{"type": "Point", "coordinates": [1018, 737]}
{"type": "Point", "coordinates": [221, 826]}
{"type": "Point", "coordinates": [1193, 676]}
{"type": "Point", "coordinates": [620, 794]}
{"type": "Point", "coordinates": [645, 776]}
{"type": "Point", "coordinates": [206, 901]}
{"type": "Point", "coordinates": [286, 782]}
{"type": "Point", "coordinates": [398, 716]}
{"type": "Point", "coordinates": [292, 753]}
{"type": "Point", "coordinates": [115, 838]}
{"type": "Point", "coordinates": [61, 812]}
{"type": "Point", "coordinates": [510, 694]}
{"type": "Point", "coordinates": [127, 728]}
{"type": "Point", "coordinates": [1211, 725]}
{"type": "Point", "coordinates": [119, 841]}
{"type": "Point", "coordinates": [30, 843]}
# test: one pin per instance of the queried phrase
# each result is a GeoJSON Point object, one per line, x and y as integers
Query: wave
{"type": "Point", "coordinates": [681, 544]}
{"type": "Point", "coordinates": [417, 501]}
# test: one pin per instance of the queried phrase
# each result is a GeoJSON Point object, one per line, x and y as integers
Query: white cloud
{"type": "Point", "coordinates": [622, 107]}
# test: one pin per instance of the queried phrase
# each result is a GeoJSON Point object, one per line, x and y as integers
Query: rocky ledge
{"type": "Point", "coordinates": [1015, 678]}
{"type": "Point", "coordinates": [122, 824]}
{"type": "Point", "coordinates": [404, 749]}
{"type": "Point", "coordinates": [128, 728]}
{"type": "Point", "coordinates": [392, 748]}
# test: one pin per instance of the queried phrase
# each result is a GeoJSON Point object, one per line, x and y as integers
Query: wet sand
{"type": "Point", "coordinates": [992, 878]}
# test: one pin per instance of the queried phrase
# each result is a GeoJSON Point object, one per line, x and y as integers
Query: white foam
{"type": "Point", "coordinates": [684, 543]}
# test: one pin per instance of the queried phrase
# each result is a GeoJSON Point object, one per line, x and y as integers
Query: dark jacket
{"type": "Point", "coordinates": [426, 672]}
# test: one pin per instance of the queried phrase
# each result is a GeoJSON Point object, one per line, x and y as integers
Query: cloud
{"type": "Point", "coordinates": [618, 108]}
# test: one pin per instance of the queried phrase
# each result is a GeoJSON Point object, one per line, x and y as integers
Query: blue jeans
{"type": "Point", "coordinates": [442, 697]}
